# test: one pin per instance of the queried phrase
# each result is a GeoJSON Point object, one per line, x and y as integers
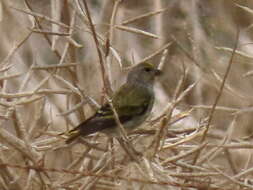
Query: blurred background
{"type": "Point", "coordinates": [54, 75]}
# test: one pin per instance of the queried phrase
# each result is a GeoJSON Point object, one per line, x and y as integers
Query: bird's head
{"type": "Point", "coordinates": [143, 73]}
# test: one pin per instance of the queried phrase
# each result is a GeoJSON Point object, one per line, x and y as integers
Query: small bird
{"type": "Point", "coordinates": [133, 102]}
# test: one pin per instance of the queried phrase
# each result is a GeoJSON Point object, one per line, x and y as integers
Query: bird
{"type": "Point", "coordinates": [133, 102]}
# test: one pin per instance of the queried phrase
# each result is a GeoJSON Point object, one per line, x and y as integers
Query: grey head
{"type": "Point", "coordinates": [143, 73]}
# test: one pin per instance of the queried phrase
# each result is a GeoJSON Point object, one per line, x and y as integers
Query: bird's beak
{"type": "Point", "coordinates": [158, 72]}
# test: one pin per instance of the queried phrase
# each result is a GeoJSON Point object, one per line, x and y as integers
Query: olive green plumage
{"type": "Point", "coordinates": [133, 102]}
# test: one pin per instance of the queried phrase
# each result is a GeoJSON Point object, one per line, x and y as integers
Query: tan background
{"type": "Point", "coordinates": [202, 36]}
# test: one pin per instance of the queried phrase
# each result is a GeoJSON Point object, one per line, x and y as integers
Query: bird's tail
{"type": "Point", "coordinates": [72, 134]}
{"type": "Point", "coordinates": [88, 127]}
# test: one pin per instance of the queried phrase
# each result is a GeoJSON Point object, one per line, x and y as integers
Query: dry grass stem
{"type": "Point", "coordinates": [62, 60]}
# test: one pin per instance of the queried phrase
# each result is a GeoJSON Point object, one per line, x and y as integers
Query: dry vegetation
{"type": "Point", "coordinates": [60, 59]}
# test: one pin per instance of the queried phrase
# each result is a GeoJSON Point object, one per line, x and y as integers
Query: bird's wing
{"type": "Point", "coordinates": [130, 101]}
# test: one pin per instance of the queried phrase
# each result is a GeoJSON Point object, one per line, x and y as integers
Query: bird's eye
{"type": "Point", "coordinates": [147, 69]}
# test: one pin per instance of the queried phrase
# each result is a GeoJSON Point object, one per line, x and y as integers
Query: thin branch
{"type": "Point", "coordinates": [211, 114]}
{"type": "Point", "coordinates": [101, 60]}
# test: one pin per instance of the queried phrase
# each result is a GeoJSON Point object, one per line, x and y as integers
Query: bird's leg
{"type": "Point", "coordinates": [111, 147]}
{"type": "Point", "coordinates": [128, 147]}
